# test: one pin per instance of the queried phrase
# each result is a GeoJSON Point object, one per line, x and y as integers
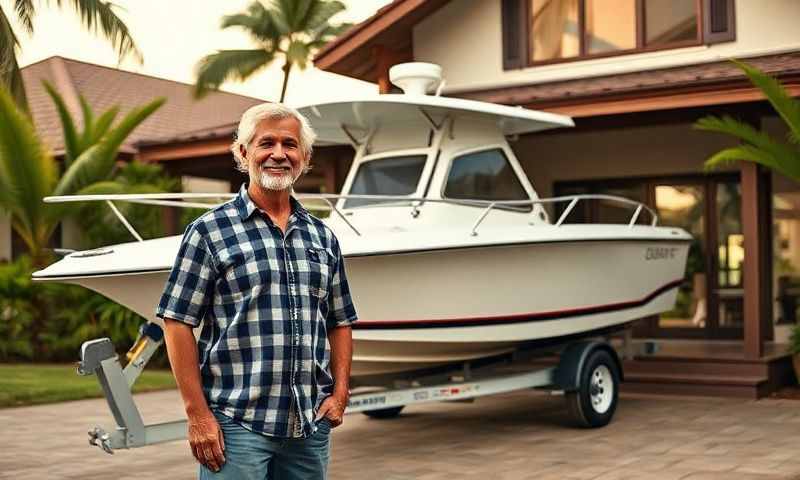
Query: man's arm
{"type": "Point", "coordinates": [341, 341]}
{"type": "Point", "coordinates": [205, 436]}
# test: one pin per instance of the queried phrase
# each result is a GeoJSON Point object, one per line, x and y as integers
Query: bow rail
{"type": "Point", "coordinates": [189, 200]}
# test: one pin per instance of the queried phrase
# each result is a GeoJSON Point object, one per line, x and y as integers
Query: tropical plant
{"type": "Point", "coordinates": [95, 15]}
{"type": "Point", "coordinates": [28, 171]}
{"type": "Point", "coordinates": [291, 29]}
{"type": "Point", "coordinates": [68, 316]}
{"type": "Point", "coordinates": [794, 340]}
{"type": "Point", "coordinates": [100, 227]}
{"type": "Point", "coordinates": [758, 146]}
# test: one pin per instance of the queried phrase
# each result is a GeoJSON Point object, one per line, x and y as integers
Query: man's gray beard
{"type": "Point", "coordinates": [280, 183]}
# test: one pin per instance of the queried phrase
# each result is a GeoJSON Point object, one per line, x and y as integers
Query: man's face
{"type": "Point", "coordinates": [274, 158]}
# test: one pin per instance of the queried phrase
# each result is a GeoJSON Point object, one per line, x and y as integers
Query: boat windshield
{"type": "Point", "coordinates": [386, 176]}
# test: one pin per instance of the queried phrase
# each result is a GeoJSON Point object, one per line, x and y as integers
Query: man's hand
{"type": "Point", "coordinates": [206, 441]}
{"type": "Point", "coordinates": [333, 408]}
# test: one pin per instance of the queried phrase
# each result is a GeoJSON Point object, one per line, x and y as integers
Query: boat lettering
{"type": "Point", "coordinates": [376, 400]}
{"type": "Point", "coordinates": [660, 253]}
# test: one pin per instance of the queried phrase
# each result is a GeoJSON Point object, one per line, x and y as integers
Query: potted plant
{"type": "Point", "coordinates": [794, 349]}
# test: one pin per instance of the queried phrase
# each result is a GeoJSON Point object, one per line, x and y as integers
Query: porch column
{"type": "Point", "coordinates": [757, 270]}
{"type": "Point", "coordinates": [385, 58]}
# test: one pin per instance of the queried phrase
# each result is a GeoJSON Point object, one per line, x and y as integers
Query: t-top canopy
{"type": "Point", "coordinates": [363, 114]}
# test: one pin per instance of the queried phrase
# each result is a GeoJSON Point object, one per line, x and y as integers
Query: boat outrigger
{"type": "Point", "coordinates": [452, 257]}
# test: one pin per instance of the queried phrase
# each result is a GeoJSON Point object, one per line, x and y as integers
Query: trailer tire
{"type": "Point", "coordinates": [384, 413]}
{"type": "Point", "coordinates": [593, 404]}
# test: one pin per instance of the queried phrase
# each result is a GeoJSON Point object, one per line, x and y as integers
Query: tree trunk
{"type": "Point", "coordinates": [287, 68]}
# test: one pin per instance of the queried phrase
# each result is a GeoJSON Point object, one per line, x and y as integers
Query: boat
{"type": "Point", "coordinates": [451, 255]}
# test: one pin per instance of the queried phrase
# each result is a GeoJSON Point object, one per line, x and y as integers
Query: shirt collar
{"type": "Point", "coordinates": [246, 206]}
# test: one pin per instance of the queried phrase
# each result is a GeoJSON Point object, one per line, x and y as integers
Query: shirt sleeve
{"type": "Point", "coordinates": [341, 311]}
{"type": "Point", "coordinates": [189, 289]}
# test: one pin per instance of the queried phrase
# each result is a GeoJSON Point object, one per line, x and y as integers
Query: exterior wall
{"type": "Point", "coordinates": [618, 153]}
{"type": "Point", "coordinates": [464, 37]}
{"type": "Point", "coordinates": [5, 236]}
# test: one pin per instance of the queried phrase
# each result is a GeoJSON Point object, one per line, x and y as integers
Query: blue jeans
{"type": "Point", "coordinates": [250, 455]}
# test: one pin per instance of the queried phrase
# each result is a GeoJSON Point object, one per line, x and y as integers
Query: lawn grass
{"type": "Point", "coordinates": [32, 384]}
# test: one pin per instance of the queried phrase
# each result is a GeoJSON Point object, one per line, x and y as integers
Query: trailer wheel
{"type": "Point", "coordinates": [384, 412]}
{"type": "Point", "coordinates": [595, 401]}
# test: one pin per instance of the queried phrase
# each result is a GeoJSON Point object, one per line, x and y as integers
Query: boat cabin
{"type": "Point", "coordinates": [434, 156]}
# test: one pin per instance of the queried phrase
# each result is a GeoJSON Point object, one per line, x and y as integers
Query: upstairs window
{"type": "Point", "coordinates": [547, 31]}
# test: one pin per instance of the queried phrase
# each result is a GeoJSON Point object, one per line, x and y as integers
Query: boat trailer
{"type": "Point", "coordinates": [587, 374]}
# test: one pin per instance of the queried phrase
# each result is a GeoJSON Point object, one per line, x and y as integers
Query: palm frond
{"type": "Point", "coordinates": [72, 144]}
{"type": "Point", "coordinates": [748, 134]}
{"type": "Point", "coordinates": [213, 70]}
{"type": "Point", "coordinates": [88, 121]}
{"type": "Point", "coordinates": [103, 123]}
{"type": "Point", "coordinates": [278, 10]}
{"type": "Point", "coordinates": [320, 38]}
{"type": "Point", "coordinates": [786, 106]}
{"type": "Point", "coordinates": [297, 12]}
{"type": "Point", "coordinates": [25, 11]}
{"type": "Point", "coordinates": [258, 22]}
{"type": "Point", "coordinates": [788, 166]}
{"type": "Point", "coordinates": [97, 162]}
{"type": "Point", "coordinates": [99, 16]}
{"type": "Point", "coordinates": [297, 53]}
{"type": "Point", "coordinates": [27, 169]}
{"type": "Point", "coordinates": [10, 75]}
{"type": "Point", "coordinates": [321, 14]}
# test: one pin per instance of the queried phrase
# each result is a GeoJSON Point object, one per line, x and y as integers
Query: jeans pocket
{"type": "Point", "coordinates": [324, 425]}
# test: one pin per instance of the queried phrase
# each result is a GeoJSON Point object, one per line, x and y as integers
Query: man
{"type": "Point", "coordinates": [269, 375]}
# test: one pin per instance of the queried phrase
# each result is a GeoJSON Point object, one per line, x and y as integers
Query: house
{"type": "Point", "coordinates": [190, 138]}
{"type": "Point", "coordinates": [635, 75]}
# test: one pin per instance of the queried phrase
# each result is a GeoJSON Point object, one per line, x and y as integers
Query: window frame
{"type": "Point", "coordinates": [487, 148]}
{"type": "Point", "coordinates": [640, 36]}
{"type": "Point", "coordinates": [424, 174]}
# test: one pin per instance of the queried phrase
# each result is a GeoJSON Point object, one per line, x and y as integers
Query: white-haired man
{"type": "Point", "coordinates": [269, 375]}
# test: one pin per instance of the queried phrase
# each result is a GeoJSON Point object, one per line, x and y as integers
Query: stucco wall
{"type": "Point", "coordinates": [464, 37]}
{"type": "Point", "coordinates": [617, 153]}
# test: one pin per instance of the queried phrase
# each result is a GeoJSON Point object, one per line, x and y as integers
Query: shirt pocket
{"type": "Point", "coordinates": [320, 267]}
{"type": "Point", "coordinates": [244, 268]}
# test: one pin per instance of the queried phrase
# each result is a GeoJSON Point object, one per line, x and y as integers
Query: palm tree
{"type": "Point", "coordinates": [291, 29]}
{"type": "Point", "coordinates": [28, 171]}
{"type": "Point", "coordinates": [758, 146]}
{"type": "Point", "coordinates": [96, 15]}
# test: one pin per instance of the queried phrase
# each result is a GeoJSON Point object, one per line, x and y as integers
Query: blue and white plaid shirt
{"type": "Point", "coordinates": [267, 301]}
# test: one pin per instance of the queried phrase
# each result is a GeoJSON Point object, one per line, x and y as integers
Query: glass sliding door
{"type": "Point", "coordinates": [728, 292]}
{"type": "Point", "coordinates": [710, 301]}
{"type": "Point", "coordinates": [684, 206]}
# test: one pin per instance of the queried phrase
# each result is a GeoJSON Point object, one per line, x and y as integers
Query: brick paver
{"type": "Point", "coordinates": [512, 436]}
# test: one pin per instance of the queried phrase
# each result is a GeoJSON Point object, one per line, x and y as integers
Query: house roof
{"type": "Point", "coordinates": [105, 87]}
{"type": "Point", "coordinates": [698, 78]}
{"type": "Point", "coordinates": [351, 53]}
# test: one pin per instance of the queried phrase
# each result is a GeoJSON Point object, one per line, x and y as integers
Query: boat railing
{"type": "Point", "coordinates": [191, 200]}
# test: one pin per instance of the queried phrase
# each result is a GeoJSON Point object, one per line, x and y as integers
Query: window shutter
{"type": "Point", "coordinates": [719, 21]}
{"type": "Point", "coordinates": [515, 33]}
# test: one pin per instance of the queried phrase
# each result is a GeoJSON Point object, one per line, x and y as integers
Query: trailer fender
{"type": "Point", "coordinates": [573, 358]}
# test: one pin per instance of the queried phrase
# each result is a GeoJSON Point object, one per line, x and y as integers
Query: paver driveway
{"type": "Point", "coordinates": [511, 436]}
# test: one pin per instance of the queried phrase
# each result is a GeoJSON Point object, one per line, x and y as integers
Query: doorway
{"type": "Point", "coordinates": [710, 300]}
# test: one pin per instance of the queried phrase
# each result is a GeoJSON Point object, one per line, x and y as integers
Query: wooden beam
{"type": "Point", "coordinates": [195, 149]}
{"type": "Point", "coordinates": [363, 33]}
{"type": "Point", "coordinates": [756, 226]}
{"type": "Point", "coordinates": [384, 58]}
{"type": "Point", "coordinates": [669, 100]}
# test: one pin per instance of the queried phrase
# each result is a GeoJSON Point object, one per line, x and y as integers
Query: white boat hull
{"type": "Point", "coordinates": [428, 308]}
